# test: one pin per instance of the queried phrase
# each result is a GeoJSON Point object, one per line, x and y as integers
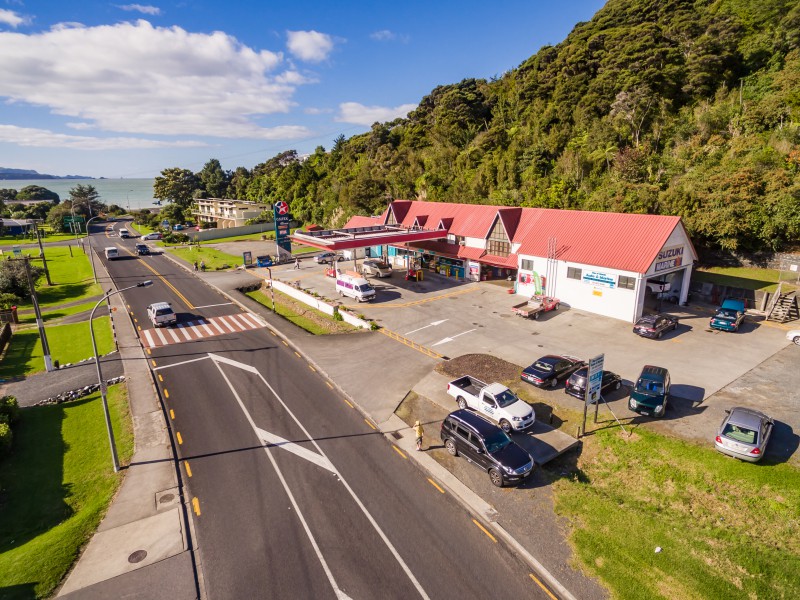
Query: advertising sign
{"type": "Point", "coordinates": [594, 379]}
{"type": "Point", "coordinates": [247, 258]}
{"type": "Point", "coordinates": [282, 224]}
{"type": "Point", "coordinates": [669, 258]}
{"type": "Point", "coordinates": [598, 278]}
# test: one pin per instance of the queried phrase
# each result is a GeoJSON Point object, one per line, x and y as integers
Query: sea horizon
{"type": "Point", "coordinates": [127, 193]}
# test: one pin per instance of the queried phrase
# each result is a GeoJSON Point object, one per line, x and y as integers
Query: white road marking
{"type": "Point", "coordinates": [433, 324]}
{"type": "Point", "coordinates": [248, 318]}
{"type": "Point", "coordinates": [149, 337]}
{"type": "Point", "coordinates": [174, 335]}
{"type": "Point", "coordinates": [239, 324]}
{"type": "Point", "coordinates": [214, 323]}
{"type": "Point", "coordinates": [296, 449]}
{"type": "Point", "coordinates": [450, 339]}
{"type": "Point", "coordinates": [161, 335]}
{"type": "Point", "coordinates": [182, 329]}
{"type": "Point", "coordinates": [224, 321]}
{"type": "Point", "coordinates": [213, 305]}
{"type": "Point", "coordinates": [185, 362]}
{"type": "Point", "coordinates": [221, 359]}
{"type": "Point", "coordinates": [207, 328]}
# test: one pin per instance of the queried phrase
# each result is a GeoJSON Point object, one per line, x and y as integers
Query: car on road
{"type": "Point", "coordinates": [550, 369]}
{"type": "Point", "coordinates": [109, 228]}
{"type": "Point", "coordinates": [326, 257]}
{"type": "Point", "coordinates": [124, 233]}
{"type": "Point", "coordinates": [177, 227]}
{"type": "Point", "coordinates": [376, 267]}
{"type": "Point", "coordinates": [576, 384]}
{"type": "Point", "coordinates": [744, 434]}
{"type": "Point", "coordinates": [142, 249]}
{"type": "Point", "coordinates": [654, 326]}
{"type": "Point", "coordinates": [467, 434]}
{"type": "Point", "coordinates": [794, 336]}
{"type": "Point", "coordinates": [153, 236]}
{"type": "Point", "coordinates": [651, 392]}
{"type": "Point", "coordinates": [111, 252]}
{"type": "Point", "coordinates": [161, 314]}
{"type": "Point", "coordinates": [729, 316]}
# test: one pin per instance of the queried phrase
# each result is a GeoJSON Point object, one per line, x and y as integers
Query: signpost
{"type": "Point", "coordinates": [247, 258]}
{"type": "Point", "coordinates": [594, 381]}
{"type": "Point", "coordinates": [282, 224]}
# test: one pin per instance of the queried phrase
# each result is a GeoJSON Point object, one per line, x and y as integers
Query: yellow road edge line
{"type": "Point", "coordinates": [160, 378]}
{"type": "Point", "coordinates": [486, 531]}
{"type": "Point", "coordinates": [188, 468]}
{"type": "Point", "coordinates": [436, 485]}
{"type": "Point", "coordinates": [138, 328]}
{"type": "Point", "coordinates": [171, 414]}
{"type": "Point", "coordinates": [154, 362]}
{"type": "Point", "coordinates": [284, 342]}
{"type": "Point", "coordinates": [148, 351]}
{"type": "Point", "coordinates": [180, 439]}
{"type": "Point", "coordinates": [400, 452]}
{"type": "Point", "coordinates": [196, 506]}
{"type": "Point", "coordinates": [135, 320]}
{"type": "Point", "coordinates": [166, 394]}
{"type": "Point", "coordinates": [346, 401]}
{"type": "Point", "coordinates": [365, 421]}
{"type": "Point", "coordinates": [541, 585]}
{"type": "Point", "coordinates": [328, 384]}
{"type": "Point", "coordinates": [297, 354]}
{"type": "Point", "coordinates": [418, 347]}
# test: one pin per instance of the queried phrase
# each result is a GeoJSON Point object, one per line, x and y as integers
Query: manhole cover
{"type": "Point", "coordinates": [137, 556]}
{"type": "Point", "coordinates": [166, 498]}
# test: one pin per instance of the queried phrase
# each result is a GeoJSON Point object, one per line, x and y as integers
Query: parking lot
{"type": "Point", "coordinates": [453, 318]}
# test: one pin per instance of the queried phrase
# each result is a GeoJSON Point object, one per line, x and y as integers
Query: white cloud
{"type": "Point", "coordinates": [142, 8]}
{"type": "Point", "coordinates": [42, 138]}
{"type": "Point", "coordinates": [140, 79]}
{"type": "Point", "coordinates": [9, 17]}
{"type": "Point", "coordinates": [386, 35]}
{"type": "Point", "coordinates": [310, 46]}
{"type": "Point", "coordinates": [353, 112]}
{"type": "Point", "coordinates": [317, 111]}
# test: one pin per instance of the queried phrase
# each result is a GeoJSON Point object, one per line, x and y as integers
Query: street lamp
{"type": "Point", "coordinates": [128, 200]}
{"type": "Point", "coordinates": [89, 241]}
{"type": "Point", "coordinates": [102, 383]}
{"type": "Point", "coordinates": [272, 289]}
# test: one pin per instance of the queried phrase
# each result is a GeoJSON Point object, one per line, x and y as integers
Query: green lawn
{"type": "Point", "coordinates": [47, 237]}
{"type": "Point", "coordinates": [213, 258]}
{"type": "Point", "coordinates": [747, 278]}
{"type": "Point", "coordinates": [727, 529]}
{"type": "Point", "coordinates": [56, 486]}
{"type": "Point", "coordinates": [49, 315]}
{"type": "Point", "coordinates": [68, 344]}
{"type": "Point", "coordinates": [71, 276]}
{"type": "Point", "coordinates": [311, 319]}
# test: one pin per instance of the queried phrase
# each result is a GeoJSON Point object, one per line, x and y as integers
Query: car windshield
{"type": "Point", "coordinates": [649, 321]}
{"type": "Point", "coordinates": [364, 287]}
{"type": "Point", "coordinates": [163, 311]}
{"type": "Point", "coordinates": [740, 433]}
{"type": "Point", "coordinates": [497, 441]}
{"type": "Point", "coordinates": [542, 366]}
{"type": "Point", "coordinates": [649, 386]}
{"type": "Point", "coordinates": [506, 398]}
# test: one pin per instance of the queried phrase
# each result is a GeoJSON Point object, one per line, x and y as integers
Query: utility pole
{"type": "Point", "coordinates": [41, 252]}
{"type": "Point", "coordinates": [48, 363]}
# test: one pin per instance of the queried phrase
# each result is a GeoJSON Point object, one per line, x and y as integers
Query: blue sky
{"type": "Point", "coordinates": [125, 90]}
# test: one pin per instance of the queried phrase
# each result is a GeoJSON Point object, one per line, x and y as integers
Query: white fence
{"type": "Point", "coordinates": [319, 304]}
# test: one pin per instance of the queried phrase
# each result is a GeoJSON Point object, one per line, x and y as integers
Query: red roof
{"type": "Point", "coordinates": [359, 221]}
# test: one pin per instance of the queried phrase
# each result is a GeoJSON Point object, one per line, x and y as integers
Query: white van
{"type": "Point", "coordinates": [354, 286]}
{"type": "Point", "coordinates": [124, 233]}
{"type": "Point", "coordinates": [111, 253]}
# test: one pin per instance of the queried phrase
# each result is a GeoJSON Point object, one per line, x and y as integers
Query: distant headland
{"type": "Point", "coordinates": [12, 174]}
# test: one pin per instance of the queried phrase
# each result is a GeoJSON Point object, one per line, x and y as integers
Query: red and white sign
{"type": "Point", "coordinates": [281, 207]}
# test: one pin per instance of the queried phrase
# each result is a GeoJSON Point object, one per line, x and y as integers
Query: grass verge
{"type": "Point", "coordinates": [56, 486]}
{"type": "Point", "coordinates": [726, 529]}
{"type": "Point", "coordinates": [68, 344]}
{"type": "Point", "coordinates": [58, 313]}
{"type": "Point", "coordinates": [213, 258]}
{"type": "Point", "coordinates": [747, 278]}
{"type": "Point", "coordinates": [71, 274]}
{"type": "Point", "coordinates": [305, 317]}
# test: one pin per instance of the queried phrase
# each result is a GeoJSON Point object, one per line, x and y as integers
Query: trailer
{"type": "Point", "coordinates": [535, 306]}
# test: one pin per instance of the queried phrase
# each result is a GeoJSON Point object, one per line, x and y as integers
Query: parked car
{"type": "Point", "coordinates": [744, 434]}
{"type": "Point", "coordinates": [486, 445]}
{"type": "Point", "coordinates": [161, 314]}
{"type": "Point", "coordinates": [494, 401]}
{"type": "Point", "coordinates": [531, 309]}
{"type": "Point", "coordinates": [376, 267]}
{"type": "Point", "coordinates": [177, 227]}
{"type": "Point", "coordinates": [153, 236]}
{"type": "Point", "coordinates": [794, 336]}
{"type": "Point", "coordinates": [550, 369]}
{"type": "Point", "coordinates": [651, 392]}
{"type": "Point", "coordinates": [142, 249]}
{"type": "Point", "coordinates": [729, 316]}
{"type": "Point", "coordinates": [654, 326]}
{"type": "Point", "coordinates": [354, 286]}
{"type": "Point", "coordinates": [576, 384]}
{"type": "Point", "coordinates": [326, 257]}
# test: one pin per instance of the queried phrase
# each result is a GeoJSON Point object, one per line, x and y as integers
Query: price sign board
{"type": "Point", "coordinates": [594, 379]}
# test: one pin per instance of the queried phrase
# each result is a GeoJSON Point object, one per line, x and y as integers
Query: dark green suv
{"type": "Point", "coordinates": [650, 394]}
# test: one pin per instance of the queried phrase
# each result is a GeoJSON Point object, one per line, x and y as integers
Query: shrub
{"type": "Point", "coordinates": [5, 436]}
{"type": "Point", "coordinates": [9, 408]}
{"type": "Point", "coordinates": [336, 315]}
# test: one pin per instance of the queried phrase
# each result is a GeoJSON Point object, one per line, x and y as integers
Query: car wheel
{"type": "Point", "coordinates": [496, 478]}
{"type": "Point", "coordinates": [451, 447]}
{"type": "Point", "coordinates": [535, 316]}
{"type": "Point", "coordinates": [796, 340]}
{"type": "Point", "coordinates": [340, 293]}
{"type": "Point", "coordinates": [554, 382]}
{"type": "Point", "coordinates": [556, 307]}
{"type": "Point", "coordinates": [462, 404]}
{"type": "Point", "coordinates": [505, 426]}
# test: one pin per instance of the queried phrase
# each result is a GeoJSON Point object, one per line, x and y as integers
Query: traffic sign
{"type": "Point", "coordinates": [594, 379]}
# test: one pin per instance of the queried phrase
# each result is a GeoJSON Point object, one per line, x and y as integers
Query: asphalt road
{"type": "Point", "coordinates": [295, 493]}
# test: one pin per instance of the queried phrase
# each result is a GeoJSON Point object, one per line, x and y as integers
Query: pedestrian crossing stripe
{"type": "Point", "coordinates": [200, 329]}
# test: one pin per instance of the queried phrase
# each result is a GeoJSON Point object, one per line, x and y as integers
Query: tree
{"type": "Point", "coordinates": [214, 179]}
{"type": "Point", "coordinates": [55, 218]}
{"type": "Point", "coordinates": [37, 192]}
{"type": "Point", "coordinates": [14, 280]}
{"type": "Point", "coordinates": [85, 201]}
{"type": "Point", "coordinates": [174, 213]}
{"type": "Point", "coordinates": [176, 185]}
{"type": "Point", "coordinates": [8, 195]}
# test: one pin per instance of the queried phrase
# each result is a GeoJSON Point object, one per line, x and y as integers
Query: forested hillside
{"type": "Point", "coordinates": [654, 106]}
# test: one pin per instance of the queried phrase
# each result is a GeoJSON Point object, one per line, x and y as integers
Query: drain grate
{"type": "Point", "coordinates": [137, 556]}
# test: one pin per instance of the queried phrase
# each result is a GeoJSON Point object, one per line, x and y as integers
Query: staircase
{"type": "Point", "coordinates": [783, 307]}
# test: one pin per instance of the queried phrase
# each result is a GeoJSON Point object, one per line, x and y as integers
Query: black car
{"type": "Point", "coordinates": [142, 249]}
{"type": "Point", "coordinates": [576, 384]}
{"type": "Point", "coordinates": [654, 326]}
{"type": "Point", "coordinates": [483, 443]}
{"type": "Point", "coordinates": [550, 369]}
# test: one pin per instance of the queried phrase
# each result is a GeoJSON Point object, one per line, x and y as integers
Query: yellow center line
{"type": "Point", "coordinates": [486, 531]}
{"type": "Point", "coordinates": [400, 452]}
{"type": "Point", "coordinates": [329, 384]}
{"type": "Point", "coordinates": [436, 485]}
{"type": "Point", "coordinates": [180, 439]}
{"type": "Point", "coordinates": [189, 305]}
{"type": "Point", "coordinates": [541, 585]}
{"type": "Point", "coordinates": [188, 468]}
{"type": "Point", "coordinates": [196, 506]}
{"type": "Point", "coordinates": [365, 421]}
{"type": "Point", "coordinates": [171, 414]}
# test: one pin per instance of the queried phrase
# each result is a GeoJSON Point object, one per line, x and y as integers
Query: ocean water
{"type": "Point", "coordinates": [127, 193]}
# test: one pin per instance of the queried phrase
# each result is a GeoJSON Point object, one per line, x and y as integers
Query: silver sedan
{"type": "Point", "coordinates": [744, 434]}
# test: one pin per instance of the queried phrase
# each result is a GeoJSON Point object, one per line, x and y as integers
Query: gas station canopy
{"type": "Point", "coordinates": [362, 237]}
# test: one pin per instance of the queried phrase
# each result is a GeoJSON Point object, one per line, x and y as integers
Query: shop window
{"type": "Point", "coordinates": [526, 264]}
{"type": "Point", "coordinates": [498, 242]}
{"type": "Point", "coordinates": [499, 248]}
{"type": "Point", "coordinates": [573, 273]}
{"type": "Point", "coordinates": [627, 283]}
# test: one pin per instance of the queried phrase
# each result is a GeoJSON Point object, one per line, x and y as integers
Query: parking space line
{"type": "Point", "coordinates": [486, 531]}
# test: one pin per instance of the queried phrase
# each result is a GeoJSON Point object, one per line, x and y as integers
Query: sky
{"type": "Point", "coordinates": [126, 90]}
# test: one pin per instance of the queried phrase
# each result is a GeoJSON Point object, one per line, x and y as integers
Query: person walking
{"type": "Point", "coordinates": [195, 265]}
{"type": "Point", "coordinates": [296, 262]}
{"type": "Point", "coordinates": [419, 433]}
{"type": "Point", "coordinates": [202, 265]}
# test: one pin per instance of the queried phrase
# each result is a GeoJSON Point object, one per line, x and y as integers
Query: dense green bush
{"type": "Point", "coordinates": [10, 408]}
{"type": "Point", "coordinates": [6, 437]}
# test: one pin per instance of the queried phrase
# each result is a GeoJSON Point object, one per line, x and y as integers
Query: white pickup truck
{"type": "Point", "coordinates": [493, 400]}
{"type": "Point", "coordinates": [161, 314]}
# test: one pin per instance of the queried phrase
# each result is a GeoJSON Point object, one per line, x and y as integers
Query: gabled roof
{"type": "Point", "coordinates": [358, 221]}
{"type": "Point", "coordinates": [510, 218]}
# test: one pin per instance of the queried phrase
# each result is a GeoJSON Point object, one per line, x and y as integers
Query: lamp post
{"type": "Point", "coordinates": [100, 380]}
{"type": "Point", "coordinates": [272, 290]}
{"type": "Point", "coordinates": [89, 241]}
{"type": "Point", "coordinates": [128, 200]}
